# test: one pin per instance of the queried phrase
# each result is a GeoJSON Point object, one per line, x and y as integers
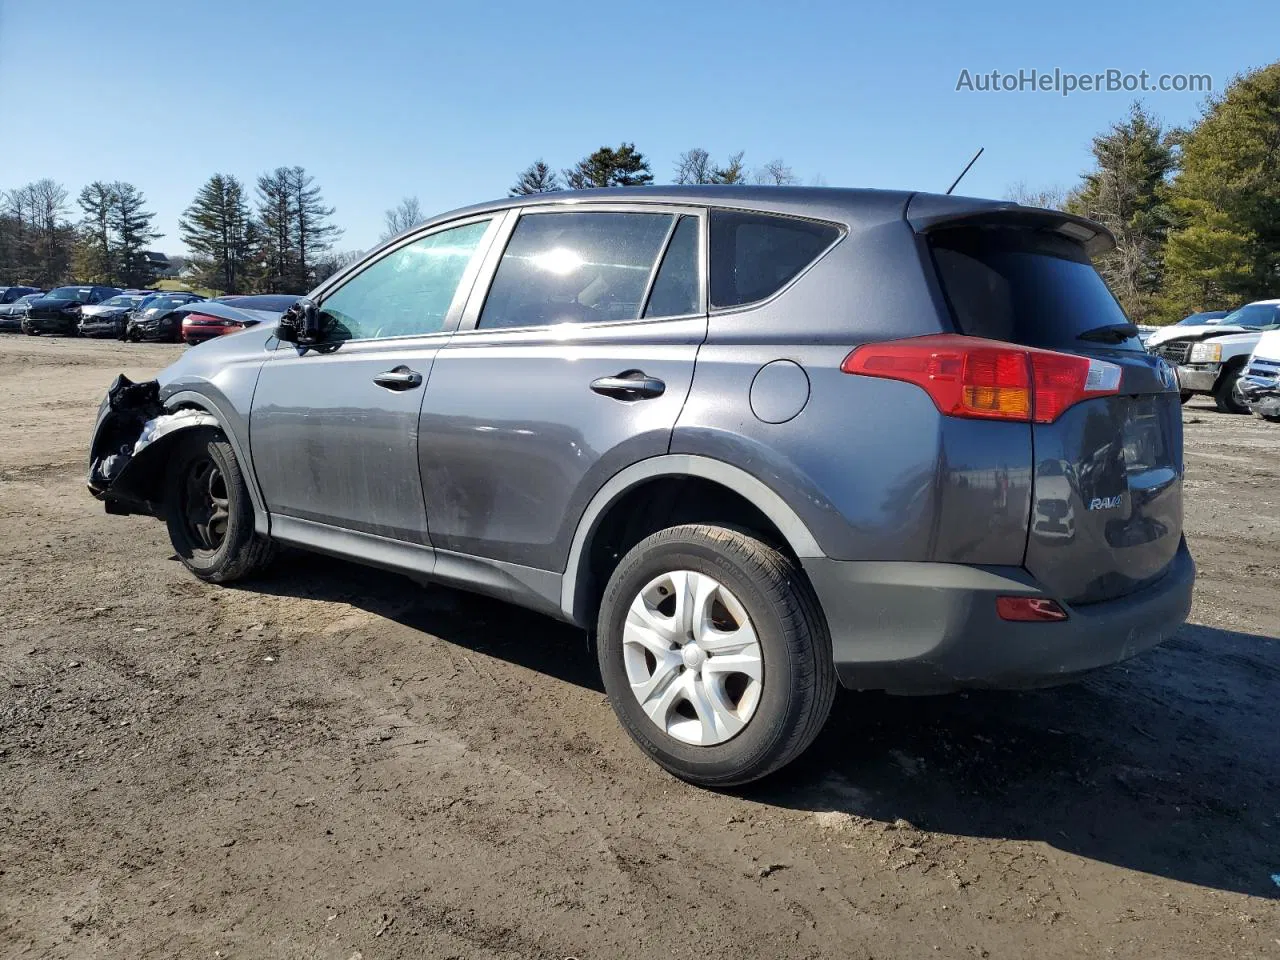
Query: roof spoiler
{"type": "Point", "coordinates": [931, 211]}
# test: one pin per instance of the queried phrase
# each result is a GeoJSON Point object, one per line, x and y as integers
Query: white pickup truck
{"type": "Point", "coordinates": [1210, 357]}
{"type": "Point", "coordinates": [1260, 383]}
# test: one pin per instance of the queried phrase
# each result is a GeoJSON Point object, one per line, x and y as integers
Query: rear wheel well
{"type": "Point", "coordinates": [655, 505]}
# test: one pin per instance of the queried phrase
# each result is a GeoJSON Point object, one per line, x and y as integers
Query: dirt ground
{"type": "Point", "coordinates": [334, 762]}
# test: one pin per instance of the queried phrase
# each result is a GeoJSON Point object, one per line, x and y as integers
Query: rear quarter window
{"type": "Point", "coordinates": [754, 255]}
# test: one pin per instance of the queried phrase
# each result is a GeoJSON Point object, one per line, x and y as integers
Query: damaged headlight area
{"type": "Point", "coordinates": [124, 470]}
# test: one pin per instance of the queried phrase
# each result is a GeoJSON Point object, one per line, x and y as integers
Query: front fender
{"type": "Point", "coordinates": [133, 439]}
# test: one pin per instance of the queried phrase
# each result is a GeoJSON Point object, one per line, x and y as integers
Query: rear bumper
{"type": "Point", "coordinates": [932, 627]}
{"type": "Point", "coordinates": [1261, 394]}
{"type": "Point", "coordinates": [1201, 378]}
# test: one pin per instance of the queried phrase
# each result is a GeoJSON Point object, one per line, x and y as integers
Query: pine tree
{"type": "Point", "coordinates": [609, 167]}
{"type": "Point", "coordinates": [732, 172]}
{"type": "Point", "coordinates": [131, 223]}
{"type": "Point", "coordinates": [277, 250]}
{"type": "Point", "coordinates": [315, 234]}
{"type": "Point", "coordinates": [1225, 249]}
{"type": "Point", "coordinates": [1127, 193]}
{"type": "Point", "coordinates": [95, 253]}
{"type": "Point", "coordinates": [536, 178]}
{"type": "Point", "coordinates": [219, 230]}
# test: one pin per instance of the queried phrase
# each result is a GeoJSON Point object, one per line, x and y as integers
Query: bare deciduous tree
{"type": "Point", "coordinates": [694, 166]}
{"type": "Point", "coordinates": [1052, 198]}
{"type": "Point", "coordinates": [407, 213]}
{"type": "Point", "coordinates": [777, 173]}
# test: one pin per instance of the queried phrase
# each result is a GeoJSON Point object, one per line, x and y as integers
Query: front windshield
{"type": "Point", "coordinates": [70, 293]}
{"type": "Point", "coordinates": [119, 302]}
{"type": "Point", "coordinates": [1255, 316]}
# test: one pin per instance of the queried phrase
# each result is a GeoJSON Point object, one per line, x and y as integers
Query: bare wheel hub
{"type": "Point", "coordinates": [693, 658]}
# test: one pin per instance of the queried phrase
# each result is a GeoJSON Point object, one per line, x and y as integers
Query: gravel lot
{"type": "Point", "coordinates": [334, 762]}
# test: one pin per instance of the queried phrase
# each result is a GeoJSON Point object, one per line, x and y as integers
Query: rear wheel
{"type": "Point", "coordinates": [1226, 394]}
{"type": "Point", "coordinates": [715, 656]}
{"type": "Point", "coordinates": [208, 511]}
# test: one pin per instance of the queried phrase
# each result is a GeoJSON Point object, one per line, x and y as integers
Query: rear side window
{"type": "Point", "coordinates": [754, 255]}
{"type": "Point", "coordinates": [575, 268]}
{"type": "Point", "coordinates": [1019, 286]}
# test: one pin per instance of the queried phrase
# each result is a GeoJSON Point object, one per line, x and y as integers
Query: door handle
{"type": "Point", "coordinates": [401, 378]}
{"type": "Point", "coordinates": [631, 385]}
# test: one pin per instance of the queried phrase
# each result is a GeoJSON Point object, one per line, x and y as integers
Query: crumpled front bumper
{"type": "Point", "coordinates": [1261, 394]}
{"type": "Point", "coordinates": [131, 422]}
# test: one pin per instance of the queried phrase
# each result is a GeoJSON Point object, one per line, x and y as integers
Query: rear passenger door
{"type": "Point", "coordinates": [571, 362]}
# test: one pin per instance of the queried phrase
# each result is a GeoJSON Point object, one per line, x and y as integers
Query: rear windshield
{"type": "Point", "coordinates": [1036, 289]}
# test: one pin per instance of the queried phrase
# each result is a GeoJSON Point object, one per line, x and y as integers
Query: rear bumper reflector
{"type": "Point", "coordinates": [1029, 609]}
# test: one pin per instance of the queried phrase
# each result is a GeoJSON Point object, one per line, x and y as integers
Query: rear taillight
{"type": "Point", "coordinates": [988, 379]}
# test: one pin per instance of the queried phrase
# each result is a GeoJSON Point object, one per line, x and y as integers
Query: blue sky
{"type": "Point", "coordinates": [449, 101]}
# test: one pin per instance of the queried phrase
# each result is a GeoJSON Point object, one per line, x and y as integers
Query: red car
{"type": "Point", "coordinates": [212, 318]}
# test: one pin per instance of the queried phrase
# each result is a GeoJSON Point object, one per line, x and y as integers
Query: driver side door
{"type": "Point", "coordinates": [334, 426]}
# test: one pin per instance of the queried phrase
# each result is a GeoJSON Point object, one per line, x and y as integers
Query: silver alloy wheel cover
{"type": "Point", "coordinates": [693, 658]}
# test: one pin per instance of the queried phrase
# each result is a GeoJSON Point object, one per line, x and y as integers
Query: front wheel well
{"type": "Point", "coordinates": [1231, 368]}
{"type": "Point", "coordinates": [654, 505]}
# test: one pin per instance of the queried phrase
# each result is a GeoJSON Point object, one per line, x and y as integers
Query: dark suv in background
{"type": "Point", "coordinates": [156, 318]}
{"type": "Point", "coordinates": [58, 311]}
{"type": "Point", "coordinates": [757, 441]}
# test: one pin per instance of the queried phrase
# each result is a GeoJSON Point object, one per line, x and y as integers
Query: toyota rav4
{"type": "Point", "coordinates": [757, 441]}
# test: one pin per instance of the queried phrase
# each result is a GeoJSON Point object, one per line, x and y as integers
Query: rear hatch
{"type": "Point", "coordinates": [1106, 506]}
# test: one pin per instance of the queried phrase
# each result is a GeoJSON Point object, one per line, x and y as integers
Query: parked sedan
{"type": "Point", "coordinates": [108, 319]}
{"type": "Point", "coordinates": [213, 318]}
{"type": "Point", "coordinates": [11, 314]}
{"type": "Point", "coordinates": [156, 318]}
{"type": "Point", "coordinates": [58, 311]}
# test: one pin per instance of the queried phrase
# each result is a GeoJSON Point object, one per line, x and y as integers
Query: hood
{"type": "Point", "coordinates": [205, 361]}
{"type": "Point", "coordinates": [1244, 340]}
{"type": "Point", "coordinates": [1268, 346]}
{"type": "Point", "coordinates": [102, 310]}
{"type": "Point", "coordinates": [1193, 332]}
{"type": "Point", "coordinates": [228, 311]}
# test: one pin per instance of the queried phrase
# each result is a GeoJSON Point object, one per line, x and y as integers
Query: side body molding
{"type": "Point", "coordinates": [573, 603]}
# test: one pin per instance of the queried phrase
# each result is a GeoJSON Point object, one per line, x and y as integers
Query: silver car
{"type": "Point", "coordinates": [758, 442]}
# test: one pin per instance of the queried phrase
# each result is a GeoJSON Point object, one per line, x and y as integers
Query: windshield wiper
{"type": "Point", "coordinates": [1111, 333]}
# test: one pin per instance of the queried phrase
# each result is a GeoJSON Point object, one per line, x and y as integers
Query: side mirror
{"type": "Point", "coordinates": [300, 324]}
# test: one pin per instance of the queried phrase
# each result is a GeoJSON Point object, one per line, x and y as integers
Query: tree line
{"type": "Point", "coordinates": [1195, 210]}
{"type": "Point", "coordinates": [279, 240]}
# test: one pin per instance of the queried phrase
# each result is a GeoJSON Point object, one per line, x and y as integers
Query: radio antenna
{"type": "Point", "coordinates": [966, 169]}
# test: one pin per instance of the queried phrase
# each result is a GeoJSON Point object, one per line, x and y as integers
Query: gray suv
{"type": "Point", "coordinates": [757, 441]}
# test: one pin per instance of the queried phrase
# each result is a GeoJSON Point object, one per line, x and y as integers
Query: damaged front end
{"type": "Point", "coordinates": [126, 458]}
{"type": "Point", "coordinates": [1261, 393]}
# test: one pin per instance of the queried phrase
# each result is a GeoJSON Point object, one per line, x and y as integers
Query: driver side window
{"type": "Point", "coordinates": [406, 293]}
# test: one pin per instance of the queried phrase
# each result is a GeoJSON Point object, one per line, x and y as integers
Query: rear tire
{"type": "Point", "coordinates": [208, 511]}
{"type": "Point", "coordinates": [671, 666]}
{"type": "Point", "coordinates": [1225, 395]}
